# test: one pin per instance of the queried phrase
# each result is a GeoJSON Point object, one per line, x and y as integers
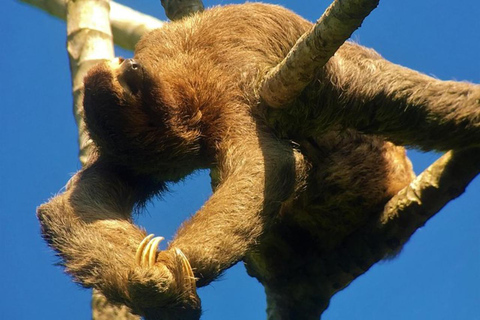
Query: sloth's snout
{"type": "Point", "coordinates": [129, 64]}
{"type": "Point", "coordinates": [130, 75]}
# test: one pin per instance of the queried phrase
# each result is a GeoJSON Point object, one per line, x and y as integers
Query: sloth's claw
{"type": "Point", "coordinates": [147, 251]}
{"type": "Point", "coordinates": [160, 277]}
{"type": "Point", "coordinates": [146, 256]}
{"type": "Point", "coordinates": [141, 246]}
{"type": "Point", "coordinates": [186, 270]}
{"type": "Point", "coordinates": [152, 254]}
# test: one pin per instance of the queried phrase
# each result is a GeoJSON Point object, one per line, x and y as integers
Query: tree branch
{"type": "Point", "coordinates": [89, 41]}
{"type": "Point", "coordinates": [127, 24]}
{"type": "Point", "coordinates": [443, 181]}
{"type": "Point", "coordinates": [284, 82]}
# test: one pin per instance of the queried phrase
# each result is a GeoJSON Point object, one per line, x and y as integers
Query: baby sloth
{"type": "Point", "coordinates": [292, 184]}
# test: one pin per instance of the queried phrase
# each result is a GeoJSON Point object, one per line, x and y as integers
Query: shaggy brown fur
{"type": "Point", "coordinates": [293, 183]}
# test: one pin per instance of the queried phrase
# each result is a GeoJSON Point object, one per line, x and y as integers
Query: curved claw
{"type": "Point", "coordinates": [141, 247]}
{"type": "Point", "coordinates": [147, 251]}
{"type": "Point", "coordinates": [152, 254]}
{"type": "Point", "coordinates": [146, 256]}
{"type": "Point", "coordinates": [186, 270]}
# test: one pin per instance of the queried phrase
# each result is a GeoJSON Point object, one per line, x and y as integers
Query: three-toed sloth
{"type": "Point", "coordinates": [292, 183]}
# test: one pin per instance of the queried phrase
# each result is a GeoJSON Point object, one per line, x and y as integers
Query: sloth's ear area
{"type": "Point", "coordinates": [131, 76]}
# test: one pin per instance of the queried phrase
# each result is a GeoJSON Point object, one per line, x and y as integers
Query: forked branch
{"type": "Point", "coordinates": [127, 24]}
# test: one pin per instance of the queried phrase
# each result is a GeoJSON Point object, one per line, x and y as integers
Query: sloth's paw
{"type": "Point", "coordinates": [162, 285]}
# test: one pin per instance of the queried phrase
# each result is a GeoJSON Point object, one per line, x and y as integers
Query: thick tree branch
{"type": "Point", "coordinates": [284, 82]}
{"type": "Point", "coordinates": [89, 41]}
{"type": "Point", "coordinates": [127, 24]}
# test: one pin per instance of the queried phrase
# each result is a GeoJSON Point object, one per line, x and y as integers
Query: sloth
{"type": "Point", "coordinates": [291, 184]}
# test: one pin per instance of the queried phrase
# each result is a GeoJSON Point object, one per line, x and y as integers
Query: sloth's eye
{"type": "Point", "coordinates": [130, 75]}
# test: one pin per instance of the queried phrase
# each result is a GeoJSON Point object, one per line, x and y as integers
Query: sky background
{"type": "Point", "coordinates": [437, 276]}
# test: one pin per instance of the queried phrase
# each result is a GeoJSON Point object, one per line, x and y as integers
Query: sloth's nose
{"type": "Point", "coordinates": [131, 63]}
{"type": "Point", "coordinates": [130, 75]}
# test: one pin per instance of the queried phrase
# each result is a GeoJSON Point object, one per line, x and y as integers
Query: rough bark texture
{"type": "Point", "coordinates": [284, 82]}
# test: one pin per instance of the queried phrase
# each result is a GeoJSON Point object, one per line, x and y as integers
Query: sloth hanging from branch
{"type": "Point", "coordinates": [304, 139]}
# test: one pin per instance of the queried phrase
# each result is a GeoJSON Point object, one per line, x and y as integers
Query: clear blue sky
{"type": "Point", "coordinates": [436, 277]}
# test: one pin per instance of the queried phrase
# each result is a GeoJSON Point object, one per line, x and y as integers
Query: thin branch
{"type": "Point", "coordinates": [127, 24]}
{"type": "Point", "coordinates": [178, 9]}
{"type": "Point", "coordinates": [284, 82]}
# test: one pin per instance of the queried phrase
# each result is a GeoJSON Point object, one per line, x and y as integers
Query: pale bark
{"type": "Point", "coordinates": [127, 24]}
{"type": "Point", "coordinates": [89, 41]}
{"type": "Point", "coordinates": [284, 82]}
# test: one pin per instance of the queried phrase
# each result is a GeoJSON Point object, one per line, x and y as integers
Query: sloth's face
{"type": "Point", "coordinates": [133, 120]}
